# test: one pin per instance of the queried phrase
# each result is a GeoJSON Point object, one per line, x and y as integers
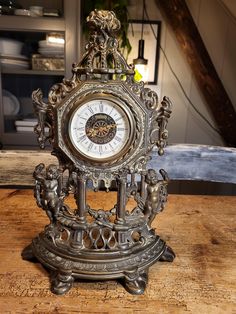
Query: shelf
{"type": "Point", "coordinates": [20, 138]}
{"type": "Point", "coordinates": [33, 72]}
{"type": "Point", "coordinates": [32, 24]}
{"type": "Point", "coordinates": [21, 82]}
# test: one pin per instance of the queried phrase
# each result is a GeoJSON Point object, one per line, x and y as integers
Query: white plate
{"type": "Point", "coordinates": [13, 64]}
{"type": "Point", "coordinates": [61, 48]}
{"type": "Point", "coordinates": [53, 50]}
{"type": "Point", "coordinates": [28, 129]}
{"type": "Point", "coordinates": [52, 54]}
{"type": "Point", "coordinates": [11, 105]}
{"type": "Point", "coordinates": [46, 44]}
{"type": "Point", "coordinates": [22, 12]}
{"type": "Point", "coordinates": [10, 46]}
{"type": "Point", "coordinates": [14, 61]}
{"type": "Point", "coordinates": [26, 122]}
{"type": "Point", "coordinates": [24, 128]}
{"type": "Point", "coordinates": [14, 57]}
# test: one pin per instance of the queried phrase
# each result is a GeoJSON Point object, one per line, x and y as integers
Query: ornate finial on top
{"type": "Point", "coordinates": [102, 51]}
{"type": "Point", "coordinates": [105, 20]}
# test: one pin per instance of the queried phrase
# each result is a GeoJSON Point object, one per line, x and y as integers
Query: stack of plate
{"type": "Point", "coordinates": [25, 125]}
{"type": "Point", "coordinates": [10, 54]}
{"type": "Point", "coordinates": [48, 49]}
{"type": "Point", "coordinates": [14, 62]}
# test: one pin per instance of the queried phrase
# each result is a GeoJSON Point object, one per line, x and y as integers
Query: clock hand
{"type": "Point", "coordinates": [91, 132]}
{"type": "Point", "coordinates": [107, 127]}
{"type": "Point", "coordinates": [95, 131]}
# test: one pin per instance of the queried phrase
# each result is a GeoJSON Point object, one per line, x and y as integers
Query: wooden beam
{"type": "Point", "coordinates": [178, 17]}
{"type": "Point", "coordinates": [197, 163]}
{"type": "Point", "coordinates": [181, 161]}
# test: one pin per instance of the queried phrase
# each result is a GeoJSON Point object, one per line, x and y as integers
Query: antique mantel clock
{"type": "Point", "coordinates": [102, 125]}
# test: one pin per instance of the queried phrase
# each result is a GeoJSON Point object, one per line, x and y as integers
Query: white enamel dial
{"type": "Point", "coordinates": [99, 129]}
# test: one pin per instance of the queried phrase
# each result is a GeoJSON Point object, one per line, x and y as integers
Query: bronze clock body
{"type": "Point", "coordinates": [102, 126]}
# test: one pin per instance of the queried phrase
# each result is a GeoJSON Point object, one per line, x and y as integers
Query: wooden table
{"type": "Point", "coordinates": [202, 278]}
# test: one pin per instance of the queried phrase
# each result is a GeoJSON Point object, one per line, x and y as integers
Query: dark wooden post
{"type": "Point", "coordinates": [178, 16]}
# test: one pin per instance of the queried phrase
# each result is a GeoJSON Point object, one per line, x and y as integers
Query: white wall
{"type": "Point", "coordinates": [218, 30]}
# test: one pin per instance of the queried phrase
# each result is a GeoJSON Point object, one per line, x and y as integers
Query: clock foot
{"type": "Point", "coordinates": [28, 255]}
{"type": "Point", "coordinates": [168, 255]}
{"type": "Point", "coordinates": [61, 282]}
{"type": "Point", "coordinates": [136, 282]}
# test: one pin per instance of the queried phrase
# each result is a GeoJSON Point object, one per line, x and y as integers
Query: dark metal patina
{"type": "Point", "coordinates": [84, 242]}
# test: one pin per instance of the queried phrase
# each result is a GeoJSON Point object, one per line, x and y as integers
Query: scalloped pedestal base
{"type": "Point", "coordinates": [131, 265]}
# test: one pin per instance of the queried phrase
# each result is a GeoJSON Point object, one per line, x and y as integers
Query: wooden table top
{"type": "Point", "coordinates": [202, 278]}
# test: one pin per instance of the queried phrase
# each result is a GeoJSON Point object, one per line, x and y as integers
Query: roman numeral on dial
{"type": "Point", "coordinates": [82, 138]}
{"type": "Point", "coordinates": [90, 146]}
{"type": "Point", "coordinates": [101, 106]}
{"type": "Point", "coordinates": [117, 138]}
{"type": "Point", "coordinates": [99, 128]}
{"type": "Point", "coordinates": [90, 109]}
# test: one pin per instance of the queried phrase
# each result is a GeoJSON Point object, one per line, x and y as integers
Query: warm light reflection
{"type": "Point", "coordinates": [55, 38]}
{"type": "Point", "coordinates": [143, 71]}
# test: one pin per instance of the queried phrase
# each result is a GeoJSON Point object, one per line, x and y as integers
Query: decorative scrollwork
{"type": "Point", "coordinates": [102, 217]}
{"type": "Point", "coordinates": [162, 120]}
{"type": "Point", "coordinates": [135, 86]}
{"type": "Point", "coordinates": [159, 113]}
{"type": "Point", "coordinates": [60, 90]}
{"type": "Point", "coordinates": [42, 111]}
{"type": "Point", "coordinates": [140, 164]}
{"type": "Point", "coordinates": [149, 98]}
{"type": "Point", "coordinates": [102, 51]}
{"type": "Point", "coordinates": [102, 238]}
{"type": "Point", "coordinates": [149, 254]}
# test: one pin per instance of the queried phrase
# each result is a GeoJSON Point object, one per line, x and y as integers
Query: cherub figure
{"type": "Point", "coordinates": [47, 191]}
{"type": "Point", "coordinates": [156, 194]}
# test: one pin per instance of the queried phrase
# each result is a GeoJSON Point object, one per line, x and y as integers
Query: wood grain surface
{"type": "Point", "coordinates": [202, 278]}
{"type": "Point", "coordinates": [181, 161]}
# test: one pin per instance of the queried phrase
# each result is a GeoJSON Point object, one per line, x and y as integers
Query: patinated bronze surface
{"type": "Point", "coordinates": [85, 242]}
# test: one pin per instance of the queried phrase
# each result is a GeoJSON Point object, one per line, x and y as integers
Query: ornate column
{"type": "Point", "coordinates": [81, 196]}
{"type": "Point", "coordinates": [121, 197]}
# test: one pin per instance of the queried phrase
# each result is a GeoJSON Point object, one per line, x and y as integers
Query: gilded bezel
{"type": "Point", "coordinates": [67, 129]}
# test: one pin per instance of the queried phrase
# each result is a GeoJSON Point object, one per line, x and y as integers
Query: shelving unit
{"type": "Point", "coordinates": [21, 82]}
{"type": "Point", "coordinates": [27, 23]}
{"type": "Point", "coordinates": [33, 72]}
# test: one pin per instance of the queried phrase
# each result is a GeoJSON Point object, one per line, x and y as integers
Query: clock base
{"type": "Point", "coordinates": [130, 265]}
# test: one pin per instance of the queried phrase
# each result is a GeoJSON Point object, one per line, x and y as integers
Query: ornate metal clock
{"type": "Point", "coordinates": [102, 125]}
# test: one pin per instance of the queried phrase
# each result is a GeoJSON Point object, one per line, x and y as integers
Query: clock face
{"type": "Point", "coordinates": [99, 129]}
